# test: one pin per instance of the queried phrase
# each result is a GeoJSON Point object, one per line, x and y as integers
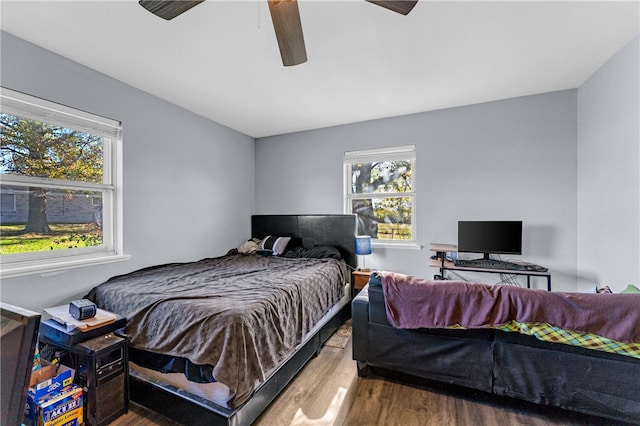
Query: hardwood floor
{"type": "Point", "coordinates": [385, 402]}
{"type": "Point", "coordinates": [328, 392]}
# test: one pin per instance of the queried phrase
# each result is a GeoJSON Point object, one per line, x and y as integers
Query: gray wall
{"type": "Point", "coordinates": [543, 159]}
{"type": "Point", "coordinates": [507, 160]}
{"type": "Point", "coordinates": [608, 177]}
{"type": "Point", "coordinates": [188, 182]}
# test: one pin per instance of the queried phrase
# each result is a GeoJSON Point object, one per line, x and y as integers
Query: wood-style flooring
{"type": "Point", "coordinates": [328, 392]}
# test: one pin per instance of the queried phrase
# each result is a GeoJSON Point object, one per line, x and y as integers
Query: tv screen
{"type": "Point", "coordinates": [498, 237]}
{"type": "Point", "coordinates": [19, 335]}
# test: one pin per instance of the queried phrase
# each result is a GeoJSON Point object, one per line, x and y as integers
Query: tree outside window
{"type": "Point", "coordinates": [40, 150]}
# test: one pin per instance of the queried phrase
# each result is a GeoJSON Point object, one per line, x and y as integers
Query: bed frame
{"type": "Point", "coordinates": [336, 230]}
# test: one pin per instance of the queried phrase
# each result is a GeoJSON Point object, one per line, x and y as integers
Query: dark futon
{"type": "Point", "coordinates": [480, 356]}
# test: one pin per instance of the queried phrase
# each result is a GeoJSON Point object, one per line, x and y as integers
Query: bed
{"type": "Point", "coordinates": [215, 341]}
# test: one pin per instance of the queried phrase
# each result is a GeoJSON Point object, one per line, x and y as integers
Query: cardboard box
{"type": "Point", "coordinates": [63, 408]}
{"type": "Point", "coordinates": [50, 378]}
{"type": "Point", "coordinates": [52, 398]}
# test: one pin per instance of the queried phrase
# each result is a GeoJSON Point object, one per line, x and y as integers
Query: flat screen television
{"type": "Point", "coordinates": [18, 339]}
{"type": "Point", "coordinates": [490, 237]}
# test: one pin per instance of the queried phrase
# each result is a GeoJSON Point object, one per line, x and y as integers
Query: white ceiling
{"type": "Point", "coordinates": [221, 59]}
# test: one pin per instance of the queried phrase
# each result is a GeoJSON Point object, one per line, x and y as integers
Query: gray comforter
{"type": "Point", "coordinates": [242, 314]}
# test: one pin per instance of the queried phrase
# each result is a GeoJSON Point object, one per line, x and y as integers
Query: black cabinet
{"type": "Point", "coordinates": [102, 369]}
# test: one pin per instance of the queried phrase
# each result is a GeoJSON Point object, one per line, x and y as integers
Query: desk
{"type": "Point", "coordinates": [447, 265]}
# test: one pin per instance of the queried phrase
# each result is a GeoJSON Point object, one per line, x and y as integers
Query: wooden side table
{"type": "Point", "coordinates": [360, 279]}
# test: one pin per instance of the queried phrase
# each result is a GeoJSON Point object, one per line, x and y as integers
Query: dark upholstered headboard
{"type": "Point", "coordinates": [338, 230]}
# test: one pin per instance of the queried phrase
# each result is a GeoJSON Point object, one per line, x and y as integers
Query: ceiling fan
{"type": "Point", "coordinates": [284, 14]}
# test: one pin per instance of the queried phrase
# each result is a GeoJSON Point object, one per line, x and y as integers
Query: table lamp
{"type": "Point", "coordinates": [363, 248]}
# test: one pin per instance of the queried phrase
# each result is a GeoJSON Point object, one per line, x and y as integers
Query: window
{"type": "Point", "coordinates": [7, 202]}
{"type": "Point", "coordinates": [380, 190]}
{"type": "Point", "coordinates": [61, 186]}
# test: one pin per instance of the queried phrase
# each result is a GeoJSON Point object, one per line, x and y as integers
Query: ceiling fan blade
{"type": "Point", "coordinates": [400, 6]}
{"type": "Point", "coordinates": [168, 9]}
{"type": "Point", "coordinates": [288, 27]}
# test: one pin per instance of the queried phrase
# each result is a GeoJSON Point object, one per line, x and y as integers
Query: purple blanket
{"type": "Point", "coordinates": [417, 303]}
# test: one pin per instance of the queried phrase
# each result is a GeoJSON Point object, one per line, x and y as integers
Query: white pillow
{"type": "Point", "coordinates": [248, 247]}
{"type": "Point", "coordinates": [277, 245]}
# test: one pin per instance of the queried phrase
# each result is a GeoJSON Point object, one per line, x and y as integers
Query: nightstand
{"type": "Point", "coordinates": [360, 279]}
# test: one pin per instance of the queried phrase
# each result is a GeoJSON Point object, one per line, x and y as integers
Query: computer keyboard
{"type": "Point", "coordinates": [498, 264]}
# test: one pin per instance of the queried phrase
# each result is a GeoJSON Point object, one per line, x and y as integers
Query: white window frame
{"type": "Point", "coordinates": [404, 152]}
{"type": "Point", "coordinates": [111, 250]}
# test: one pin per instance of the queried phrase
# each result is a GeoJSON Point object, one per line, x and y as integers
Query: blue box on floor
{"type": "Point", "coordinates": [63, 408]}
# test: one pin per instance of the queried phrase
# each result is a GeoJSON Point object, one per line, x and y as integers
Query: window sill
{"type": "Point", "coordinates": [403, 246]}
{"type": "Point", "coordinates": [50, 267]}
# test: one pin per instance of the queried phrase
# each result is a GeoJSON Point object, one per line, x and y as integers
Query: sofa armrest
{"type": "Point", "coordinates": [377, 309]}
{"type": "Point", "coordinates": [360, 324]}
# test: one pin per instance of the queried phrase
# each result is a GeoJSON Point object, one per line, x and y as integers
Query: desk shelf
{"type": "Point", "coordinates": [443, 264]}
